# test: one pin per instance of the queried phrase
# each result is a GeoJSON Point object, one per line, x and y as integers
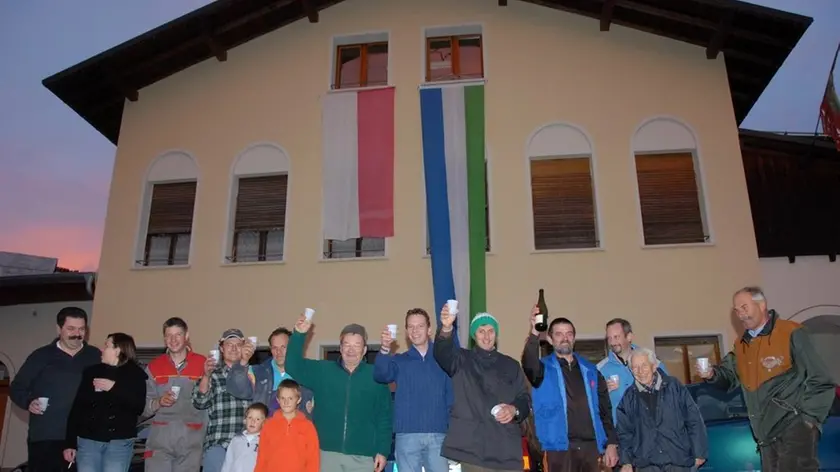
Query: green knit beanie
{"type": "Point", "coordinates": [482, 319]}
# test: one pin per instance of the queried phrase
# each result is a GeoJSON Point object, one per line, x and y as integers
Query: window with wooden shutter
{"type": "Point", "coordinates": [563, 204]}
{"type": "Point", "coordinates": [260, 219]}
{"type": "Point", "coordinates": [168, 234]}
{"type": "Point", "coordinates": [669, 198]}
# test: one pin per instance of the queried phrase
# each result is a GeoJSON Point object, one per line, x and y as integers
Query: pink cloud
{"type": "Point", "coordinates": [76, 247]}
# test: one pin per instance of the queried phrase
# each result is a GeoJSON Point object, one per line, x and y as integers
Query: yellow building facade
{"type": "Point", "coordinates": [556, 88]}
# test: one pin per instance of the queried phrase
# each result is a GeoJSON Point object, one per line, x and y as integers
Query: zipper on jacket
{"type": "Point", "coordinates": [346, 410]}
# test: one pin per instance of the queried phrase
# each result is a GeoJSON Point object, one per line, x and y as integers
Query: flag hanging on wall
{"type": "Point", "coordinates": [452, 120]}
{"type": "Point", "coordinates": [358, 164]}
{"type": "Point", "coordinates": [830, 112]}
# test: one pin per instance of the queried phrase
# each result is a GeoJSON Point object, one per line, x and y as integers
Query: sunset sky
{"type": "Point", "coordinates": [55, 169]}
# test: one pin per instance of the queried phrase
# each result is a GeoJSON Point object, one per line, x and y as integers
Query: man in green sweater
{"type": "Point", "coordinates": [353, 414]}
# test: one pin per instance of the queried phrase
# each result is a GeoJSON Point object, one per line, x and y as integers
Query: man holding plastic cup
{"type": "Point", "coordinates": [490, 398]}
{"type": "Point", "coordinates": [787, 389]}
{"type": "Point", "coordinates": [259, 383]}
{"type": "Point", "coordinates": [616, 366]}
{"type": "Point", "coordinates": [46, 386]}
{"type": "Point", "coordinates": [226, 412]}
{"type": "Point", "coordinates": [353, 414]}
{"type": "Point", "coordinates": [176, 435]}
{"type": "Point", "coordinates": [423, 396]}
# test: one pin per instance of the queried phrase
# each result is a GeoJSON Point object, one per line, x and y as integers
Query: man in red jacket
{"type": "Point", "coordinates": [176, 436]}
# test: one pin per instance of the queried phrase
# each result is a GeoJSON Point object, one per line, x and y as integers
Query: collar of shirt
{"type": "Point", "coordinates": [757, 331]}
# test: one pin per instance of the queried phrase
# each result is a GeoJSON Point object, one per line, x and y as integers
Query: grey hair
{"type": "Point", "coordinates": [755, 292]}
{"type": "Point", "coordinates": [643, 351]}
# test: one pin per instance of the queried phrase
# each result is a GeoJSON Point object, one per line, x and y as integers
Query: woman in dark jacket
{"type": "Point", "coordinates": [103, 421]}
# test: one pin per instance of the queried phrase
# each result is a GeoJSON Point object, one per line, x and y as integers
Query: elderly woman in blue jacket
{"type": "Point", "coordinates": [659, 426]}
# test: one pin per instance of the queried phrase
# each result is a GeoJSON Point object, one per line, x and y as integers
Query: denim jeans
{"type": "Point", "coordinates": [111, 456]}
{"type": "Point", "coordinates": [415, 450]}
{"type": "Point", "coordinates": [214, 459]}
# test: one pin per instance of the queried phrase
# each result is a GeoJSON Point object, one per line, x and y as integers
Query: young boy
{"type": "Point", "coordinates": [241, 454]}
{"type": "Point", "coordinates": [289, 440]}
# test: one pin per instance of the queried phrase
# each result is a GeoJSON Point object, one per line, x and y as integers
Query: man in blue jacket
{"type": "Point", "coordinates": [617, 363]}
{"type": "Point", "coordinates": [423, 396]}
{"type": "Point", "coordinates": [572, 411]}
{"type": "Point", "coordinates": [259, 383]}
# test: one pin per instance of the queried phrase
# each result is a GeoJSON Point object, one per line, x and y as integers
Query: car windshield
{"type": "Point", "coordinates": [718, 404]}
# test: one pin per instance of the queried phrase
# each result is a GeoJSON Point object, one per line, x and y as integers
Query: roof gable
{"type": "Point", "coordinates": [755, 41]}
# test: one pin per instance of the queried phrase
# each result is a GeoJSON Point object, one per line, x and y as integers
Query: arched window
{"type": "Point", "coordinates": [562, 188]}
{"type": "Point", "coordinates": [671, 202]}
{"type": "Point", "coordinates": [257, 222]}
{"type": "Point", "coordinates": [168, 207]}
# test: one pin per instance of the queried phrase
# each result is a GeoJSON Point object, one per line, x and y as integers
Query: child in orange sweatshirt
{"type": "Point", "coordinates": [288, 442]}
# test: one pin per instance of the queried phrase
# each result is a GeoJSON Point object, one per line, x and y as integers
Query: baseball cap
{"type": "Point", "coordinates": [354, 329]}
{"type": "Point", "coordinates": [232, 333]}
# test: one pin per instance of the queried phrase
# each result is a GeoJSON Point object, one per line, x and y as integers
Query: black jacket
{"type": "Point", "coordinates": [481, 380]}
{"type": "Point", "coordinates": [103, 416]}
{"type": "Point", "coordinates": [52, 373]}
{"type": "Point", "coordinates": [671, 432]}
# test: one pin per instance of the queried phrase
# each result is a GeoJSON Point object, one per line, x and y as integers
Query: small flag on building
{"type": "Point", "coordinates": [830, 107]}
{"type": "Point", "coordinates": [358, 164]}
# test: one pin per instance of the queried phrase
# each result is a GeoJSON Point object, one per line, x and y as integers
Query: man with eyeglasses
{"type": "Point", "coordinates": [226, 412]}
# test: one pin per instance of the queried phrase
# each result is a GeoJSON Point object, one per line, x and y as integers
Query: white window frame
{"type": "Point", "coordinates": [665, 134]}
{"type": "Point", "coordinates": [256, 160]}
{"type": "Point", "coordinates": [173, 166]}
{"type": "Point", "coordinates": [569, 141]}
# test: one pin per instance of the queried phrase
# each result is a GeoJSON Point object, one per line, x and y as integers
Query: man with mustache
{"type": "Point", "coordinates": [786, 387]}
{"type": "Point", "coordinates": [619, 335]}
{"type": "Point", "coordinates": [572, 410]}
{"type": "Point", "coordinates": [46, 386]}
{"type": "Point", "coordinates": [423, 396]}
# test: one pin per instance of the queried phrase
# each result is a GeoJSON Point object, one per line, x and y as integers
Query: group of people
{"type": "Point", "coordinates": [473, 406]}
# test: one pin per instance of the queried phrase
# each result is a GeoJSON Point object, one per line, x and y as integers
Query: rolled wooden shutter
{"type": "Point", "coordinates": [669, 199]}
{"type": "Point", "coordinates": [563, 203]}
{"type": "Point", "coordinates": [172, 208]}
{"type": "Point", "coordinates": [261, 203]}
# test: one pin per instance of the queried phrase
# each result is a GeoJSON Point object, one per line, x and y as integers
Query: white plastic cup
{"type": "Point", "coordinates": [703, 364]}
{"type": "Point", "coordinates": [253, 340]}
{"type": "Point", "coordinates": [392, 328]}
{"type": "Point", "coordinates": [453, 307]}
{"type": "Point", "coordinates": [44, 402]}
{"type": "Point", "coordinates": [308, 313]}
{"type": "Point", "coordinates": [176, 390]}
{"type": "Point", "coordinates": [614, 379]}
{"type": "Point", "coordinates": [495, 410]}
{"type": "Point", "coordinates": [215, 355]}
